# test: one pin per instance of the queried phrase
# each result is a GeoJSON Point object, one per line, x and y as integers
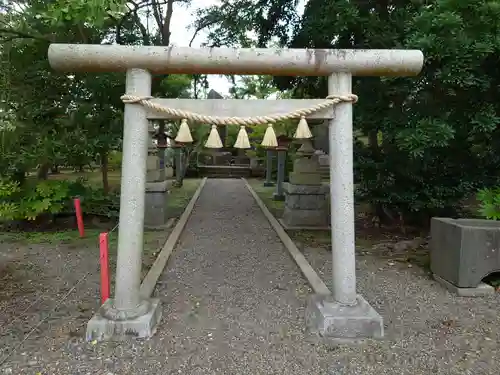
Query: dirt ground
{"type": "Point", "coordinates": [234, 304]}
{"type": "Point", "coordinates": [50, 281]}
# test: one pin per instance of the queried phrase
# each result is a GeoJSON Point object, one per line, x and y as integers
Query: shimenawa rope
{"type": "Point", "coordinates": [242, 141]}
{"type": "Point", "coordinates": [242, 121]}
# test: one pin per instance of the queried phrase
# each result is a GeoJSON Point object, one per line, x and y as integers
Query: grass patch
{"type": "Point", "coordinates": [93, 177]}
{"type": "Point", "coordinates": [64, 237]}
{"type": "Point", "coordinates": [179, 197]}
{"type": "Point", "coordinates": [266, 194]}
{"type": "Point", "coordinates": [67, 237]}
{"type": "Point", "coordinates": [177, 200]}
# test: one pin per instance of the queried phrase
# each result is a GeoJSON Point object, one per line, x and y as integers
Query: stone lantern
{"type": "Point", "coordinates": [281, 150]}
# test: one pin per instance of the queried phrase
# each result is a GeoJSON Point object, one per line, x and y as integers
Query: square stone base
{"type": "Point", "coordinates": [481, 290]}
{"type": "Point", "coordinates": [156, 214]}
{"type": "Point", "coordinates": [101, 328]}
{"type": "Point", "coordinates": [343, 324]}
{"type": "Point", "coordinates": [305, 179]}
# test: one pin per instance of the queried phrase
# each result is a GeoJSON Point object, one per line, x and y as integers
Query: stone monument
{"type": "Point", "coordinates": [306, 205]}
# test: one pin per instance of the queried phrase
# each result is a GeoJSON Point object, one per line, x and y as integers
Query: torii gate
{"type": "Point", "coordinates": [344, 314]}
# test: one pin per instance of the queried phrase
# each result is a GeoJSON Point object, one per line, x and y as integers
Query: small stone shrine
{"type": "Point", "coordinates": [306, 204]}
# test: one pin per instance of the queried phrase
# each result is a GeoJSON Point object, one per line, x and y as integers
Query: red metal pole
{"type": "Point", "coordinates": [103, 250]}
{"type": "Point", "coordinates": [79, 217]}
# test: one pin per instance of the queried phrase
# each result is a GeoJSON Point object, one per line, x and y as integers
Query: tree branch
{"type": "Point", "coordinates": [15, 34]}
{"type": "Point", "coordinates": [200, 28]}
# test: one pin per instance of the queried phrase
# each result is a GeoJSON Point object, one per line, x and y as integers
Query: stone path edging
{"type": "Point", "coordinates": [312, 277]}
{"type": "Point", "coordinates": [149, 283]}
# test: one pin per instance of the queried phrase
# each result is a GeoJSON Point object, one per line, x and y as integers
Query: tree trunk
{"type": "Point", "coordinates": [165, 28]}
{"type": "Point", "coordinates": [104, 170]}
{"type": "Point", "coordinates": [43, 171]}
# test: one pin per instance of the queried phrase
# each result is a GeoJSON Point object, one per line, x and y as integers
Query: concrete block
{"type": "Point", "coordinates": [480, 291]}
{"type": "Point", "coordinates": [306, 202]}
{"type": "Point", "coordinates": [268, 184]}
{"type": "Point", "coordinates": [464, 251]}
{"type": "Point", "coordinates": [102, 328]}
{"type": "Point", "coordinates": [307, 218]}
{"type": "Point", "coordinates": [302, 178]}
{"type": "Point", "coordinates": [341, 323]}
{"type": "Point", "coordinates": [305, 165]}
{"type": "Point", "coordinates": [156, 213]}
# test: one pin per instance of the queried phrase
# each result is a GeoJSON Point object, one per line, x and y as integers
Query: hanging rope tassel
{"type": "Point", "coordinates": [242, 141]}
{"type": "Point", "coordinates": [269, 139]}
{"type": "Point", "coordinates": [184, 133]}
{"type": "Point", "coordinates": [213, 140]}
{"type": "Point", "coordinates": [303, 131]}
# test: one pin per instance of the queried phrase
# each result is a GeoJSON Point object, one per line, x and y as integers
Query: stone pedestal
{"type": "Point", "coordinates": [305, 172]}
{"type": "Point", "coordinates": [112, 324]}
{"type": "Point", "coordinates": [156, 215]}
{"type": "Point", "coordinates": [306, 204]}
{"type": "Point", "coordinates": [343, 324]}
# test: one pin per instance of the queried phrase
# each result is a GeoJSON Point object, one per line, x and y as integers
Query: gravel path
{"type": "Point", "coordinates": [234, 304]}
{"type": "Point", "coordinates": [428, 330]}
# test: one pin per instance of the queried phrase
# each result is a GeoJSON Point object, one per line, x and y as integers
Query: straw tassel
{"type": "Point", "coordinates": [242, 141]}
{"type": "Point", "coordinates": [269, 139]}
{"type": "Point", "coordinates": [303, 131]}
{"type": "Point", "coordinates": [213, 140]}
{"type": "Point", "coordinates": [184, 133]}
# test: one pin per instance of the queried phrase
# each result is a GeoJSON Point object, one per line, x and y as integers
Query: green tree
{"type": "Point", "coordinates": [422, 143]}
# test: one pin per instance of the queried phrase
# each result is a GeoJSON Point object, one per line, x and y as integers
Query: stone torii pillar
{"type": "Point", "coordinates": [342, 315]}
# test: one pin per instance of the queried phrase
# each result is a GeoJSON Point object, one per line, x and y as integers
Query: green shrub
{"type": "Point", "coordinates": [96, 202]}
{"type": "Point", "coordinates": [52, 197]}
{"type": "Point", "coordinates": [489, 203]}
{"type": "Point", "coordinates": [9, 190]}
